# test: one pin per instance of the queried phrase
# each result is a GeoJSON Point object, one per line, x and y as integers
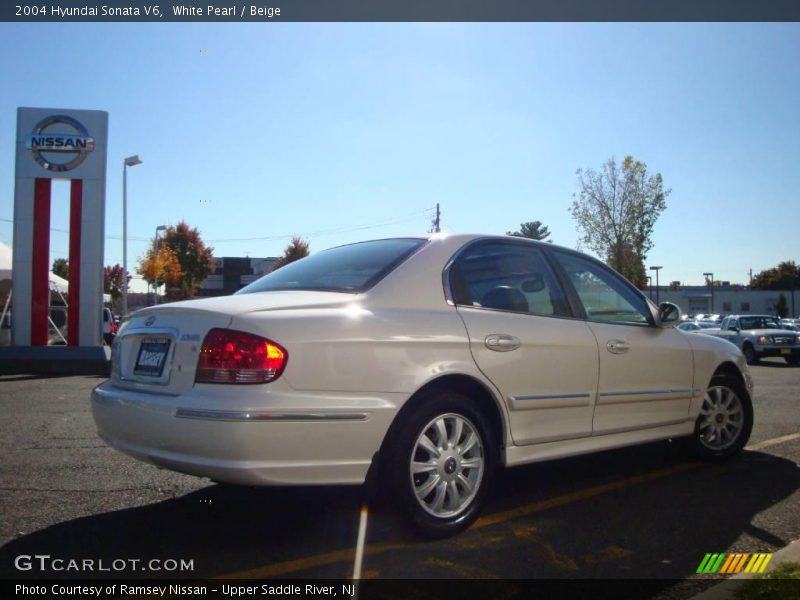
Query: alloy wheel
{"type": "Point", "coordinates": [447, 465]}
{"type": "Point", "coordinates": [721, 418]}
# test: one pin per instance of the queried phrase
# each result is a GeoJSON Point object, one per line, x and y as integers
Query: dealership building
{"type": "Point", "coordinates": [725, 299]}
{"type": "Point", "coordinates": [232, 273]}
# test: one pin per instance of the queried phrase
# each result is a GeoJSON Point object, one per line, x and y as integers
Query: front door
{"type": "Point", "coordinates": [645, 371]}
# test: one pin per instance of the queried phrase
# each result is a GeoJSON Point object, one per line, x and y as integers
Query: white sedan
{"type": "Point", "coordinates": [431, 362]}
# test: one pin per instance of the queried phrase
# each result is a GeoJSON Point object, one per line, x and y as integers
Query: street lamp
{"type": "Point", "coordinates": [131, 161]}
{"type": "Point", "coordinates": [155, 248]}
{"type": "Point", "coordinates": [657, 269]}
{"type": "Point", "coordinates": [710, 278]}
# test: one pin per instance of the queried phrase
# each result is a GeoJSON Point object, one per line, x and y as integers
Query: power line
{"type": "Point", "coordinates": [404, 219]}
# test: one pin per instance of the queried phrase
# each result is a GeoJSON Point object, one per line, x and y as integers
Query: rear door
{"type": "Point", "coordinates": [524, 338]}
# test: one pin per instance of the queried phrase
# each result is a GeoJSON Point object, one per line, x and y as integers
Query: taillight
{"type": "Point", "coordinates": [229, 356]}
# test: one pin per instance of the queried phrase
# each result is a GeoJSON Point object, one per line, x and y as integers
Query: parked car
{"type": "Point", "coordinates": [759, 336]}
{"type": "Point", "coordinates": [109, 326]}
{"type": "Point", "coordinates": [689, 326]}
{"type": "Point", "coordinates": [426, 364]}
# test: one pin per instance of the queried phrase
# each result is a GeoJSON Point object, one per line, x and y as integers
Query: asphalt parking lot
{"type": "Point", "coordinates": [646, 512]}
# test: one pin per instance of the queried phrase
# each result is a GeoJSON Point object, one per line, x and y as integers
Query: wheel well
{"type": "Point", "coordinates": [465, 384]}
{"type": "Point", "coordinates": [728, 368]}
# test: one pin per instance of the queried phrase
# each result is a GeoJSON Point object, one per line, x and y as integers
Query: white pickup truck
{"type": "Point", "coordinates": [759, 336]}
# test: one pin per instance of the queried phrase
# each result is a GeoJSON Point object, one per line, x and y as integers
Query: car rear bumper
{"type": "Point", "coordinates": [283, 438]}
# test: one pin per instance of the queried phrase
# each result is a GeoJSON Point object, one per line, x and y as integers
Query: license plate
{"type": "Point", "coordinates": [152, 356]}
{"type": "Point", "coordinates": [786, 350]}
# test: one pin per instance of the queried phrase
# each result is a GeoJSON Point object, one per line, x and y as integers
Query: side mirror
{"type": "Point", "coordinates": [668, 314]}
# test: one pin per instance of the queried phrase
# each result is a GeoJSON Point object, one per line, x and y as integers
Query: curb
{"type": "Point", "coordinates": [726, 590]}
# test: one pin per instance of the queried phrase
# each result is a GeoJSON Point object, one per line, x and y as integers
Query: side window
{"type": "Point", "coordinates": [604, 295]}
{"type": "Point", "coordinates": [507, 276]}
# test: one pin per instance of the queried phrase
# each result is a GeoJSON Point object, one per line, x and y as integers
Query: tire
{"type": "Point", "coordinates": [750, 354]}
{"type": "Point", "coordinates": [454, 472]}
{"type": "Point", "coordinates": [725, 421]}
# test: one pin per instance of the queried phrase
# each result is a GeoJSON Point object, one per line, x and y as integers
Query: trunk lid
{"type": "Point", "coordinates": [157, 348]}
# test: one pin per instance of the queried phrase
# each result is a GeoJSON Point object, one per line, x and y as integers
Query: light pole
{"type": "Point", "coordinates": [657, 269]}
{"type": "Point", "coordinates": [710, 278]}
{"type": "Point", "coordinates": [155, 249]}
{"type": "Point", "coordinates": [131, 161]}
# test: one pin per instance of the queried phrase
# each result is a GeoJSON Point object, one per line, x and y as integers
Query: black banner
{"type": "Point", "coordinates": [324, 589]}
{"type": "Point", "coordinates": [398, 10]}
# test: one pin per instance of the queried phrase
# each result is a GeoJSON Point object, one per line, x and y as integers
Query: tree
{"type": "Point", "coordinates": [532, 229]}
{"type": "Point", "coordinates": [160, 265]}
{"type": "Point", "coordinates": [112, 281]}
{"type": "Point", "coordinates": [297, 249]}
{"type": "Point", "coordinates": [61, 267]}
{"type": "Point", "coordinates": [785, 276]}
{"type": "Point", "coordinates": [196, 260]}
{"type": "Point", "coordinates": [631, 265]}
{"type": "Point", "coordinates": [781, 308]}
{"type": "Point", "coordinates": [615, 211]}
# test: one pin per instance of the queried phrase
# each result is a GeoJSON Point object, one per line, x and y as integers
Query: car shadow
{"type": "Point", "coordinates": [774, 364]}
{"type": "Point", "coordinates": [640, 512]}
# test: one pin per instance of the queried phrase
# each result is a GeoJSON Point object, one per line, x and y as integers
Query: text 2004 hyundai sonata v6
{"type": "Point", "coordinates": [437, 359]}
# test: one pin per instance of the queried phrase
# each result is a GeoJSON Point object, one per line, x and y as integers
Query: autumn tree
{"type": "Point", "coordinates": [532, 229]}
{"type": "Point", "coordinates": [113, 278]}
{"type": "Point", "coordinates": [160, 265]}
{"type": "Point", "coordinates": [297, 249]}
{"type": "Point", "coordinates": [61, 267]}
{"type": "Point", "coordinates": [196, 260]}
{"type": "Point", "coordinates": [616, 210]}
{"type": "Point", "coordinates": [785, 276]}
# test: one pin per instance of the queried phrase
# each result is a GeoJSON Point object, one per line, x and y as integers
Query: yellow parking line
{"type": "Point", "coordinates": [774, 441]}
{"type": "Point", "coordinates": [349, 554]}
{"type": "Point", "coordinates": [301, 564]}
{"type": "Point", "coordinates": [597, 490]}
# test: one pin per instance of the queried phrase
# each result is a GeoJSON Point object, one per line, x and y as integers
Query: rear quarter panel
{"type": "Point", "coordinates": [359, 349]}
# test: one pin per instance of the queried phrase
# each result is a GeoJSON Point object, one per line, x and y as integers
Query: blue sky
{"type": "Point", "coordinates": [345, 132]}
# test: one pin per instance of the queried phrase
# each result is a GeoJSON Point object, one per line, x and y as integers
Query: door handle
{"type": "Point", "coordinates": [617, 346]}
{"type": "Point", "coordinates": [502, 342]}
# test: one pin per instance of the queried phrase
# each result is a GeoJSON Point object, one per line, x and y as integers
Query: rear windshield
{"type": "Point", "coordinates": [353, 268]}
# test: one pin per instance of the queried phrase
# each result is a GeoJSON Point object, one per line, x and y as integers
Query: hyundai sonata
{"type": "Point", "coordinates": [436, 361]}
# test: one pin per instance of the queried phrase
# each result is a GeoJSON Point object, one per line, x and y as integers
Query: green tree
{"type": "Point", "coordinates": [196, 260]}
{"type": "Point", "coordinates": [631, 265]}
{"type": "Point", "coordinates": [781, 308]}
{"type": "Point", "coordinates": [61, 267]}
{"type": "Point", "coordinates": [616, 210]}
{"type": "Point", "coordinates": [298, 248]}
{"type": "Point", "coordinates": [532, 229]}
{"type": "Point", "coordinates": [785, 276]}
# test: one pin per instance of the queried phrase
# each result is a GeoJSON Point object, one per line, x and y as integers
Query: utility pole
{"type": "Point", "coordinates": [436, 228]}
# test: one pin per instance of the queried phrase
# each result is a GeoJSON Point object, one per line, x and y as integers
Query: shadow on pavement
{"type": "Point", "coordinates": [659, 529]}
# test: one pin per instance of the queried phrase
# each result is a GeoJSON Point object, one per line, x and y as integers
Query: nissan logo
{"type": "Point", "coordinates": [48, 142]}
{"type": "Point", "coordinates": [149, 321]}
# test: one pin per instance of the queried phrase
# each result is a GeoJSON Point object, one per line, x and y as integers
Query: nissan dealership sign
{"type": "Point", "coordinates": [59, 143]}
